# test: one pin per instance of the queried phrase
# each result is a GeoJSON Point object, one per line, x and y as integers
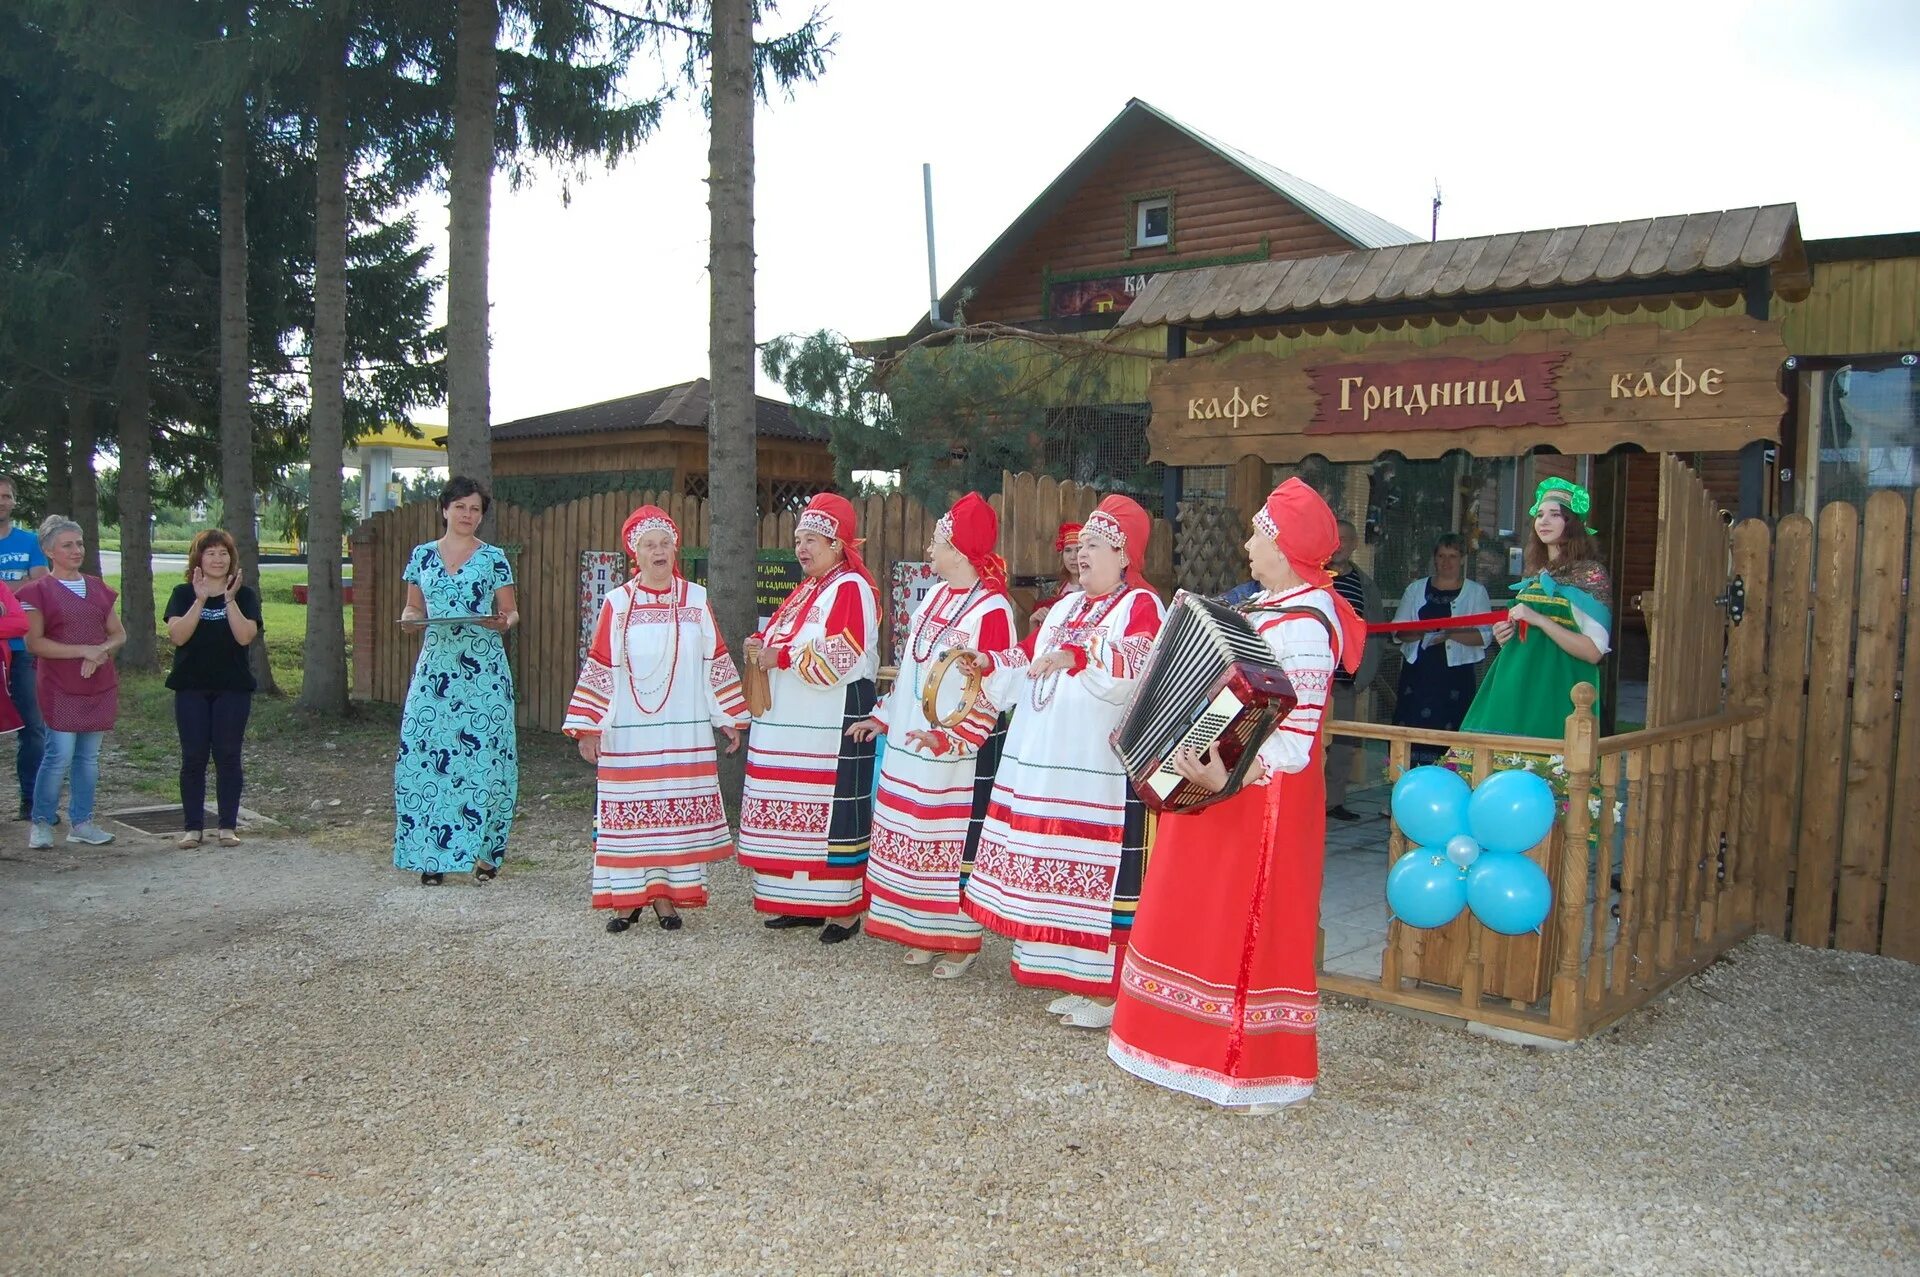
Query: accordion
{"type": "Point", "coordinates": [1210, 680]}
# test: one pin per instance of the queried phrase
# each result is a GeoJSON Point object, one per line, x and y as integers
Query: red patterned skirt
{"type": "Point", "coordinates": [1218, 996]}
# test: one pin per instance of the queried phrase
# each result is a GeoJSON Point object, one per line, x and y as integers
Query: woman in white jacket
{"type": "Point", "coordinates": [1438, 678]}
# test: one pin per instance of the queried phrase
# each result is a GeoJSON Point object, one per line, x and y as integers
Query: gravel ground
{"type": "Point", "coordinates": [322, 1067]}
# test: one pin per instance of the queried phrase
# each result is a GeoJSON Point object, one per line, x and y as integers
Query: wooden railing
{"type": "Point", "coordinates": [1653, 877]}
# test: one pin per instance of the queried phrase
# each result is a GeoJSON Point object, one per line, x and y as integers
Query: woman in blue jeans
{"type": "Point", "coordinates": [73, 630]}
{"type": "Point", "coordinates": [211, 620]}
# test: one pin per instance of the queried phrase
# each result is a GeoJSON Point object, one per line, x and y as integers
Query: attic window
{"type": "Point", "coordinates": [1152, 222]}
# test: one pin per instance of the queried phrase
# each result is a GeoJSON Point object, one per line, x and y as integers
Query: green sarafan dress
{"type": "Point", "coordinates": [1528, 691]}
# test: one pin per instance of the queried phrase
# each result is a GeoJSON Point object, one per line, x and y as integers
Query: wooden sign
{"type": "Point", "coordinates": [1713, 386]}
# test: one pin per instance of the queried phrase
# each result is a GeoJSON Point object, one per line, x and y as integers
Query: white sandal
{"type": "Point", "coordinates": [1091, 1015]}
{"type": "Point", "coordinates": [1064, 1003]}
{"type": "Point", "coordinates": [191, 839]}
{"type": "Point", "coordinates": [952, 968]}
{"type": "Point", "coordinates": [918, 957]}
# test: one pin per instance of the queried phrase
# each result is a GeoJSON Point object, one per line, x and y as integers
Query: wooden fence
{"type": "Point", "coordinates": [1830, 640]}
{"type": "Point", "coordinates": [545, 550]}
{"type": "Point", "coordinates": [1653, 878]}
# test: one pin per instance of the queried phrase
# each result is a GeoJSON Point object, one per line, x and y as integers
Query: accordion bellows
{"type": "Point", "coordinates": [1210, 680]}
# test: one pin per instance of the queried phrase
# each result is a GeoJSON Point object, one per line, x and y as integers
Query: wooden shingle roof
{"type": "Point", "coordinates": [685, 406]}
{"type": "Point", "coordinates": [1605, 257]}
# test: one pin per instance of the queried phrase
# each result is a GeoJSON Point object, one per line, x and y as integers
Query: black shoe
{"type": "Point", "coordinates": [835, 933]}
{"type": "Point", "coordinates": [671, 922]}
{"type": "Point", "coordinates": [1341, 813]}
{"type": "Point", "coordinates": [787, 922]}
{"type": "Point", "coordinates": [484, 872]}
{"type": "Point", "coordinates": [617, 924]}
{"type": "Point", "coordinates": [432, 880]}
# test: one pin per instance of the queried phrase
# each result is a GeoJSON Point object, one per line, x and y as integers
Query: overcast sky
{"type": "Point", "coordinates": [1530, 115]}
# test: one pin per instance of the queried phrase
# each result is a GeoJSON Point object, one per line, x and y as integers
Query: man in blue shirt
{"type": "Point", "coordinates": [21, 561]}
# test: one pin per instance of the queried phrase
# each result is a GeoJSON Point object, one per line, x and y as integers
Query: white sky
{"type": "Point", "coordinates": [1531, 115]}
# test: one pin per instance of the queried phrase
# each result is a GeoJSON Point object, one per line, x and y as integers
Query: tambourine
{"type": "Point", "coordinates": [947, 702]}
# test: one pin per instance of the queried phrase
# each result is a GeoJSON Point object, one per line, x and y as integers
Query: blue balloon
{"type": "Point", "coordinates": [1511, 811]}
{"type": "Point", "coordinates": [1508, 893]}
{"type": "Point", "coordinates": [1430, 805]}
{"type": "Point", "coordinates": [1423, 890]}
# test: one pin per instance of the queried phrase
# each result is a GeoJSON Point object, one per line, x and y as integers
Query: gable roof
{"type": "Point", "coordinates": [1343, 218]}
{"type": "Point", "coordinates": [1643, 257]}
{"type": "Point", "coordinates": [684, 406]}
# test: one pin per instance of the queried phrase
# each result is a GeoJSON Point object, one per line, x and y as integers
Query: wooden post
{"type": "Point", "coordinates": [1564, 1008]}
{"type": "Point", "coordinates": [1900, 938]}
{"type": "Point", "coordinates": [1633, 868]}
{"type": "Point", "coordinates": [1822, 789]}
{"type": "Point", "coordinates": [1788, 612]}
{"type": "Point", "coordinates": [1399, 754]}
{"type": "Point", "coordinates": [1867, 796]}
{"type": "Point", "coordinates": [1601, 919]}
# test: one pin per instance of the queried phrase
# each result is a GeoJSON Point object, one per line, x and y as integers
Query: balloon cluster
{"type": "Point", "coordinates": [1470, 850]}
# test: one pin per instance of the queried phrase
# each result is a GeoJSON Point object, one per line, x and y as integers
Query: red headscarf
{"type": "Point", "coordinates": [1120, 523]}
{"type": "Point", "coordinates": [972, 528]}
{"type": "Point", "coordinates": [1301, 523]}
{"type": "Point", "coordinates": [831, 515]}
{"type": "Point", "coordinates": [1067, 537]}
{"type": "Point", "coordinates": [649, 518]}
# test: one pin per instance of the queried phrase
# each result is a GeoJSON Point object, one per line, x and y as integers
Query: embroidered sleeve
{"type": "Point", "coordinates": [830, 660]}
{"type": "Point", "coordinates": [1301, 645]}
{"type": "Point", "coordinates": [726, 703]}
{"type": "Point", "coordinates": [996, 632]}
{"type": "Point", "coordinates": [593, 694]}
{"type": "Point", "coordinates": [1114, 663]}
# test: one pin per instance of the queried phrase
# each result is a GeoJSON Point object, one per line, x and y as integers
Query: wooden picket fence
{"type": "Point", "coordinates": [545, 550]}
{"type": "Point", "coordinates": [1829, 645]}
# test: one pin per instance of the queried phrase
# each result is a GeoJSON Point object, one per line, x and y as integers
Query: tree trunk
{"type": "Point", "coordinates": [236, 371]}
{"type": "Point", "coordinates": [324, 682]}
{"type": "Point", "coordinates": [83, 486]}
{"type": "Point", "coordinates": [59, 498]}
{"type": "Point", "coordinates": [470, 202]}
{"type": "Point", "coordinates": [133, 388]}
{"type": "Point", "coordinates": [732, 477]}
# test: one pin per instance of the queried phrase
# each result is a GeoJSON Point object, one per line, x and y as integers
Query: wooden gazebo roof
{"type": "Point", "coordinates": [1738, 250]}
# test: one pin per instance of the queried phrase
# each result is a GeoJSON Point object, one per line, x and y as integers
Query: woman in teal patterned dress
{"type": "Point", "coordinates": [457, 779]}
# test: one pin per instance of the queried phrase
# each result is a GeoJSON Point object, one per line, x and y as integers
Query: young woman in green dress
{"type": "Point", "coordinates": [1555, 636]}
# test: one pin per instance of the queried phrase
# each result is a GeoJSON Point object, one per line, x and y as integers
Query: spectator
{"type": "Point", "coordinates": [74, 631]}
{"type": "Point", "coordinates": [21, 561]}
{"type": "Point", "coordinates": [1437, 681]}
{"type": "Point", "coordinates": [211, 619]}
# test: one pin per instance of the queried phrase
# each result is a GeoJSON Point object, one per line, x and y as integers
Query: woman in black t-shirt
{"type": "Point", "coordinates": [211, 620]}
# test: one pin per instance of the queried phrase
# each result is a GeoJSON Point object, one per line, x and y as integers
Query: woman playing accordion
{"type": "Point", "coordinates": [929, 773]}
{"type": "Point", "coordinates": [807, 806]}
{"type": "Point", "coordinates": [1063, 841]}
{"type": "Point", "coordinates": [1217, 994]}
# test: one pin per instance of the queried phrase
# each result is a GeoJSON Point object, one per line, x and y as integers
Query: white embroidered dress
{"type": "Point", "coordinates": [925, 799]}
{"type": "Point", "coordinates": [806, 810]}
{"type": "Point", "coordinates": [656, 683]}
{"type": "Point", "coordinates": [1062, 848]}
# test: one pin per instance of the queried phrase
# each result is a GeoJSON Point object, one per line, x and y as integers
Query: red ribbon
{"type": "Point", "coordinates": [1444, 623]}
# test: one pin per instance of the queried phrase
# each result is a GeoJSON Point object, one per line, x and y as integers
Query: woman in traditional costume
{"type": "Point", "coordinates": [1066, 544]}
{"type": "Point", "coordinates": [1554, 636]}
{"type": "Point", "coordinates": [656, 685]}
{"type": "Point", "coordinates": [807, 809]}
{"type": "Point", "coordinates": [456, 780]}
{"type": "Point", "coordinates": [928, 774]}
{"type": "Point", "coordinates": [1218, 997]}
{"type": "Point", "coordinates": [1063, 844]}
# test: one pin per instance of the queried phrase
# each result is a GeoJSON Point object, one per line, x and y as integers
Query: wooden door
{"type": "Point", "coordinates": [1686, 613]}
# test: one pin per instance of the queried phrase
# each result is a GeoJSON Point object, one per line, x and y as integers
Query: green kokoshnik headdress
{"type": "Point", "coordinates": [1573, 497]}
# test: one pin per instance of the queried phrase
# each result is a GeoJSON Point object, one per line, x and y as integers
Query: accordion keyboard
{"type": "Point", "coordinates": [1206, 729]}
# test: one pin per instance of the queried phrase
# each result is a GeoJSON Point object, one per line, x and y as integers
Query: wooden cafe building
{"type": "Point", "coordinates": [1743, 403]}
{"type": "Point", "coordinates": [1696, 372]}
